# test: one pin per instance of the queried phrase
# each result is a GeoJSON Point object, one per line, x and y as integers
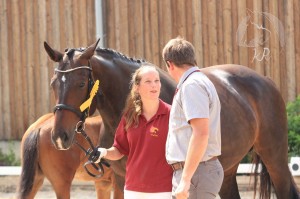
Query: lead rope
{"type": "Point", "coordinates": [90, 153]}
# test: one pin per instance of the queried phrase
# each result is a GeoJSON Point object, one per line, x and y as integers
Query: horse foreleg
{"type": "Point", "coordinates": [62, 190]}
{"type": "Point", "coordinates": [118, 193]}
{"type": "Point", "coordinates": [60, 178]}
{"type": "Point", "coordinates": [229, 189]}
{"type": "Point", "coordinates": [103, 188]}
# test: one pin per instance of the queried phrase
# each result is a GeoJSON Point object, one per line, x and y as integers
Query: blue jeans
{"type": "Point", "coordinates": [206, 181]}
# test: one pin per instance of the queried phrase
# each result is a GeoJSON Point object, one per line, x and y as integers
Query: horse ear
{"type": "Point", "coordinates": [53, 54]}
{"type": "Point", "coordinates": [89, 51]}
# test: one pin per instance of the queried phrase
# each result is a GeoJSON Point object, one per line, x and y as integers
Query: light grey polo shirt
{"type": "Point", "coordinates": [196, 98]}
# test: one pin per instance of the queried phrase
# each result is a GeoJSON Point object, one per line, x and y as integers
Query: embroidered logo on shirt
{"type": "Point", "coordinates": [154, 131]}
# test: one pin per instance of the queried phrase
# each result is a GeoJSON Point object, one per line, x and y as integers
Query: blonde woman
{"type": "Point", "coordinates": [141, 135]}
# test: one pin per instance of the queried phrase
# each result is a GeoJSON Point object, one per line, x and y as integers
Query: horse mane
{"type": "Point", "coordinates": [111, 52]}
{"type": "Point", "coordinates": [70, 51]}
{"type": "Point", "coordinates": [116, 54]}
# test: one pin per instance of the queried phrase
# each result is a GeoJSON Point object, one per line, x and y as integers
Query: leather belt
{"type": "Point", "coordinates": [180, 165]}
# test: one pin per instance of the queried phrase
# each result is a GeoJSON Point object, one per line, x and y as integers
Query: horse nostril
{"type": "Point", "coordinates": [60, 139]}
{"type": "Point", "coordinates": [64, 137]}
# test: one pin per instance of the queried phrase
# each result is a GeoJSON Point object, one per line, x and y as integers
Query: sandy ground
{"type": "Point", "coordinates": [85, 190]}
{"type": "Point", "coordinates": [80, 190]}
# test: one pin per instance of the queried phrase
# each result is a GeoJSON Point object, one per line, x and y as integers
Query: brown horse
{"type": "Point", "coordinates": [41, 159]}
{"type": "Point", "coordinates": [253, 113]}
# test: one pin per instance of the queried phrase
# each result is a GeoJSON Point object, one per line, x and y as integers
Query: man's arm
{"type": "Point", "coordinates": [196, 149]}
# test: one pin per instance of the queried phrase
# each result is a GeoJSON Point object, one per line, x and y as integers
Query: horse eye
{"type": "Point", "coordinates": [82, 84]}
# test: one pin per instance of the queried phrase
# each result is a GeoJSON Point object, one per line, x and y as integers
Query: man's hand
{"type": "Point", "coordinates": [182, 191]}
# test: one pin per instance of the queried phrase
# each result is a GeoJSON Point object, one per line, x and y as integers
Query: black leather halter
{"type": "Point", "coordinates": [82, 115]}
{"type": "Point", "coordinates": [80, 127]}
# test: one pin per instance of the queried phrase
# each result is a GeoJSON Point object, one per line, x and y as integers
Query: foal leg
{"type": "Point", "coordinates": [61, 180]}
{"type": "Point", "coordinates": [118, 193]}
{"type": "Point", "coordinates": [229, 189]}
{"type": "Point", "coordinates": [60, 176]}
{"type": "Point", "coordinates": [106, 184]}
{"type": "Point", "coordinates": [37, 183]}
{"type": "Point", "coordinates": [62, 190]}
{"type": "Point", "coordinates": [103, 188]}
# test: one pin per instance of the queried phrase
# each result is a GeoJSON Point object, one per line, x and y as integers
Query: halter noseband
{"type": "Point", "coordinates": [82, 115]}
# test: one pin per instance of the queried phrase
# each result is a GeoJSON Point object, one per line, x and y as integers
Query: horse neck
{"type": "Point", "coordinates": [115, 74]}
{"type": "Point", "coordinates": [114, 69]}
{"type": "Point", "coordinates": [110, 115]}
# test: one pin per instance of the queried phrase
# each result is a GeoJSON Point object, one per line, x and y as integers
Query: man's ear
{"type": "Point", "coordinates": [170, 65]}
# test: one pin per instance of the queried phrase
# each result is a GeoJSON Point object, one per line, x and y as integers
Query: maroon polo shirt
{"type": "Point", "coordinates": [146, 168]}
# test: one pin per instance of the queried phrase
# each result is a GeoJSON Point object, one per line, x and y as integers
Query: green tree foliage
{"type": "Point", "coordinates": [9, 159]}
{"type": "Point", "coordinates": [293, 114]}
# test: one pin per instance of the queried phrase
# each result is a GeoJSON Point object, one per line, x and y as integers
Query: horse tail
{"type": "Point", "coordinates": [29, 163]}
{"type": "Point", "coordinates": [266, 182]}
{"type": "Point", "coordinates": [265, 179]}
{"type": "Point", "coordinates": [295, 192]}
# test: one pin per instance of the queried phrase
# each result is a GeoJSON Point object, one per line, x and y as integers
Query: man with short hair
{"type": "Point", "coordinates": [194, 137]}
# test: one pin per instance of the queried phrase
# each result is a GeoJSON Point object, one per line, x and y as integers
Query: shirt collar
{"type": "Point", "coordinates": [185, 74]}
{"type": "Point", "coordinates": [162, 110]}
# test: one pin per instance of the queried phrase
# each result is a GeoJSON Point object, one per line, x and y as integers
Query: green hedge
{"type": "Point", "coordinates": [293, 114]}
{"type": "Point", "coordinates": [9, 159]}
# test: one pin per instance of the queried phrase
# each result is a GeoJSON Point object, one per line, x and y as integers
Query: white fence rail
{"type": "Point", "coordinates": [242, 169]}
{"type": "Point", "coordinates": [10, 171]}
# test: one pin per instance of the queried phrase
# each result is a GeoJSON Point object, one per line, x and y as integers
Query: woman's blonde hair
{"type": "Point", "coordinates": [134, 105]}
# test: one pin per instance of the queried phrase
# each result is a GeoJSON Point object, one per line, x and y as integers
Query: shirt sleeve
{"type": "Point", "coordinates": [121, 141]}
{"type": "Point", "coordinates": [195, 101]}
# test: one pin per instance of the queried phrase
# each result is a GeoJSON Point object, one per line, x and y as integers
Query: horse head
{"type": "Point", "coordinates": [72, 83]}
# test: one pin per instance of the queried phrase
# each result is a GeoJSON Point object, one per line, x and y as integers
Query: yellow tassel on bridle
{"type": "Point", "coordinates": [88, 102]}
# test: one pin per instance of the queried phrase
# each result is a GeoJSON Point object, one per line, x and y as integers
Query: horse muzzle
{"type": "Point", "coordinates": [61, 140]}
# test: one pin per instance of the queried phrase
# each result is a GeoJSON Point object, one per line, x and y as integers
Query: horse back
{"type": "Point", "coordinates": [246, 86]}
{"type": "Point", "coordinates": [252, 111]}
{"type": "Point", "coordinates": [37, 124]}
